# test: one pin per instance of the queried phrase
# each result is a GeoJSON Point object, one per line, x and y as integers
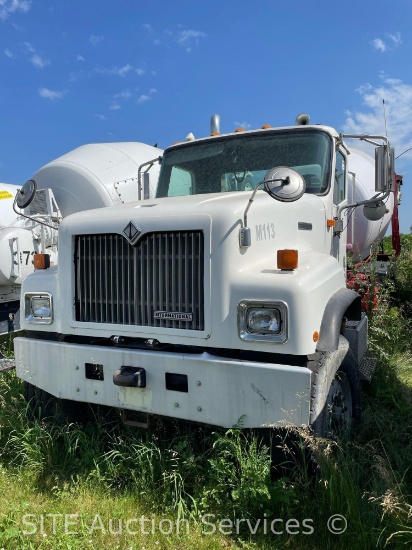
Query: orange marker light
{"type": "Point", "coordinates": [41, 261]}
{"type": "Point", "coordinates": [215, 134]}
{"type": "Point", "coordinates": [287, 259]}
{"type": "Point", "coordinates": [239, 130]}
{"type": "Point", "coordinates": [266, 126]}
{"type": "Point", "coordinates": [176, 142]}
{"type": "Point", "coordinates": [315, 336]}
{"type": "Point", "coordinates": [330, 223]}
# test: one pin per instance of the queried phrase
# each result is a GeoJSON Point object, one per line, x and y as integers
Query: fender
{"type": "Point", "coordinates": [324, 366]}
{"type": "Point", "coordinates": [344, 303]}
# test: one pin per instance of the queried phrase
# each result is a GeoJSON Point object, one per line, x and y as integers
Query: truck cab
{"type": "Point", "coordinates": [212, 302]}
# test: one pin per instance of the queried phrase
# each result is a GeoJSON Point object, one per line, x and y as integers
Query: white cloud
{"type": "Point", "coordinates": [122, 71]}
{"type": "Point", "coordinates": [153, 73]}
{"type": "Point", "coordinates": [79, 58]}
{"type": "Point", "coordinates": [115, 107]}
{"type": "Point", "coordinates": [148, 96]}
{"type": "Point", "coordinates": [140, 71]}
{"type": "Point", "coordinates": [125, 94]}
{"type": "Point", "coordinates": [244, 125]}
{"type": "Point", "coordinates": [39, 62]}
{"type": "Point", "coordinates": [396, 38]}
{"type": "Point", "coordinates": [364, 88]}
{"type": "Point", "coordinates": [147, 27]}
{"type": "Point", "coordinates": [51, 94]}
{"type": "Point", "coordinates": [101, 117]}
{"type": "Point", "coordinates": [28, 47]}
{"type": "Point", "coordinates": [156, 42]}
{"type": "Point", "coordinates": [189, 35]}
{"type": "Point", "coordinates": [94, 40]}
{"type": "Point", "coordinates": [117, 71]}
{"type": "Point", "coordinates": [379, 44]}
{"type": "Point", "coordinates": [36, 59]}
{"type": "Point", "coordinates": [7, 7]}
{"type": "Point", "coordinates": [370, 119]}
{"type": "Point", "coordinates": [8, 53]}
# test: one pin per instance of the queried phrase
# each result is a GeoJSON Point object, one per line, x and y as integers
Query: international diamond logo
{"type": "Point", "coordinates": [131, 232]}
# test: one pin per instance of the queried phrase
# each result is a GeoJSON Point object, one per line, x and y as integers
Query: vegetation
{"type": "Point", "coordinates": [173, 475]}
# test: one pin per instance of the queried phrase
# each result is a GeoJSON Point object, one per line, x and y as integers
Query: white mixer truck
{"type": "Point", "coordinates": [91, 176]}
{"type": "Point", "coordinates": [210, 303]}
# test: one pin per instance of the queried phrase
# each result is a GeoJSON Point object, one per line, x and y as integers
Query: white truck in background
{"type": "Point", "coordinates": [213, 304]}
{"type": "Point", "coordinates": [91, 176]}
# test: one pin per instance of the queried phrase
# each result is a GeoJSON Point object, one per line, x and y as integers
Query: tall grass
{"type": "Point", "coordinates": [187, 471]}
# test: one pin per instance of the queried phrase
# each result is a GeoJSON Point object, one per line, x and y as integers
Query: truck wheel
{"type": "Point", "coordinates": [44, 405]}
{"type": "Point", "coordinates": [41, 403]}
{"type": "Point", "coordinates": [341, 399]}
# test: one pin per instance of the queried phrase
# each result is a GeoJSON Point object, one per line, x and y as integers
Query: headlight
{"type": "Point", "coordinates": [38, 308]}
{"type": "Point", "coordinates": [263, 321]}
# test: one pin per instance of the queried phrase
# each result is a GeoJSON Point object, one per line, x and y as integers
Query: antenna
{"type": "Point", "coordinates": [384, 115]}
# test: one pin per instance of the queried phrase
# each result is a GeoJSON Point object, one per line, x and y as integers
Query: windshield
{"type": "Point", "coordinates": [239, 163]}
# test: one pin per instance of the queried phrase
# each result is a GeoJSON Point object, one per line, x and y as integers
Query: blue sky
{"type": "Point", "coordinates": [86, 71]}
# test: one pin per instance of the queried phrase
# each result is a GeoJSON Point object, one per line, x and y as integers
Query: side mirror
{"type": "Point", "coordinates": [146, 185]}
{"type": "Point", "coordinates": [284, 184]}
{"type": "Point", "coordinates": [384, 168]}
{"type": "Point", "coordinates": [26, 194]}
{"type": "Point", "coordinates": [374, 211]}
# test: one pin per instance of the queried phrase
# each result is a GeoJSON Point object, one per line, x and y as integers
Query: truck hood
{"type": "Point", "coordinates": [227, 207]}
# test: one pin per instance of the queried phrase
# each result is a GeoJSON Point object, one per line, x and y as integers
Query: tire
{"type": "Point", "coordinates": [42, 405]}
{"type": "Point", "coordinates": [340, 396]}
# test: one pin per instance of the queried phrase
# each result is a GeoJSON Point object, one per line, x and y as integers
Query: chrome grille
{"type": "Point", "coordinates": [123, 284]}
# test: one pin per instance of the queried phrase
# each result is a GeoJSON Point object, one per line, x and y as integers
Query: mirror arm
{"type": "Point", "coordinates": [149, 164]}
{"type": "Point", "coordinates": [360, 203]}
{"type": "Point", "coordinates": [364, 137]}
{"type": "Point", "coordinates": [249, 204]}
{"type": "Point", "coordinates": [30, 218]}
{"type": "Point", "coordinates": [252, 198]}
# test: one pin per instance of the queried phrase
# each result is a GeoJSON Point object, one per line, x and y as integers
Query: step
{"type": "Point", "coordinates": [7, 363]}
{"type": "Point", "coordinates": [367, 368]}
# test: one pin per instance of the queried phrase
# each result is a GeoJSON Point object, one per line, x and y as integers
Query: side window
{"type": "Point", "coordinates": [339, 190]}
{"type": "Point", "coordinates": [180, 183]}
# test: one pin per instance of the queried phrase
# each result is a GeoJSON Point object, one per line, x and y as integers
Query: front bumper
{"type": "Point", "coordinates": [220, 391]}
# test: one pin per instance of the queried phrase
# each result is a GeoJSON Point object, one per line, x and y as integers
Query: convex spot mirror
{"type": "Point", "coordinates": [284, 184]}
{"type": "Point", "coordinates": [374, 211]}
{"type": "Point", "coordinates": [25, 195]}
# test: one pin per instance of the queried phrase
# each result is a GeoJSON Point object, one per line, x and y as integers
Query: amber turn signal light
{"type": "Point", "coordinates": [41, 261]}
{"type": "Point", "coordinates": [287, 259]}
{"type": "Point", "coordinates": [330, 223]}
